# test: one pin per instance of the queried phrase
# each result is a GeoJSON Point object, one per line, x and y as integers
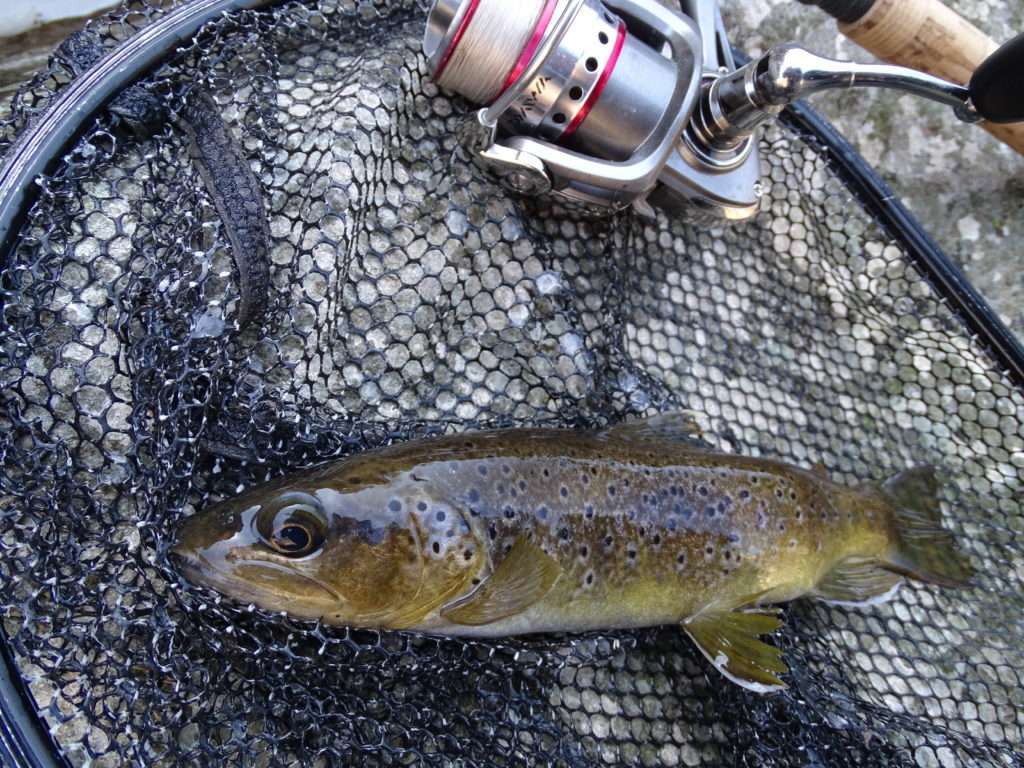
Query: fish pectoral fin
{"type": "Point", "coordinates": [522, 578]}
{"type": "Point", "coordinates": [679, 426]}
{"type": "Point", "coordinates": [857, 581]}
{"type": "Point", "coordinates": [729, 640]}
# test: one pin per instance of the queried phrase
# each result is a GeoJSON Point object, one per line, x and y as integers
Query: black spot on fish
{"type": "Point", "coordinates": [709, 550]}
{"type": "Point", "coordinates": [702, 490]}
{"type": "Point", "coordinates": [744, 494]}
{"type": "Point", "coordinates": [631, 514]}
{"type": "Point", "coordinates": [440, 515]}
{"type": "Point", "coordinates": [608, 541]}
{"type": "Point", "coordinates": [590, 579]}
{"type": "Point", "coordinates": [782, 525]}
{"type": "Point", "coordinates": [625, 483]}
{"type": "Point", "coordinates": [467, 444]}
{"type": "Point", "coordinates": [585, 479]}
{"type": "Point", "coordinates": [501, 489]}
{"type": "Point", "coordinates": [437, 548]}
{"type": "Point", "coordinates": [522, 485]}
{"type": "Point", "coordinates": [547, 473]}
{"type": "Point", "coordinates": [473, 511]}
{"type": "Point", "coordinates": [395, 505]}
{"type": "Point", "coordinates": [672, 524]}
{"type": "Point", "coordinates": [506, 469]}
{"type": "Point", "coordinates": [710, 510]}
{"type": "Point", "coordinates": [589, 511]}
{"type": "Point", "coordinates": [674, 490]}
{"type": "Point", "coordinates": [734, 537]}
{"type": "Point", "coordinates": [584, 551]}
{"type": "Point", "coordinates": [475, 582]}
{"type": "Point", "coordinates": [473, 495]}
{"type": "Point", "coordinates": [513, 492]}
{"type": "Point", "coordinates": [778, 493]}
{"type": "Point", "coordinates": [642, 531]}
{"type": "Point", "coordinates": [563, 491]}
{"type": "Point", "coordinates": [722, 506]}
{"type": "Point", "coordinates": [468, 554]}
{"type": "Point", "coordinates": [728, 555]}
{"type": "Point", "coordinates": [563, 533]}
{"type": "Point", "coordinates": [422, 506]}
{"type": "Point", "coordinates": [492, 532]}
{"type": "Point", "coordinates": [656, 539]}
{"type": "Point", "coordinates": [681, 558]}
{"type": "Point", "coordinates": [509, 513]}
{"type": "Point", "coordinates": [760, 519]}
{"type": "Point", "coordinates": [542, 513]}
{"type": "Point", "coordinates": [792, 495]}
{"type": "Point", "coordinates": [482, 470]}
{"type": "Point", "coordinates": [593, 471]}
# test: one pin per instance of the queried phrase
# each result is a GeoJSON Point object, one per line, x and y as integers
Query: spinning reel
{"type": "Point", "coordinates": [628, 102]}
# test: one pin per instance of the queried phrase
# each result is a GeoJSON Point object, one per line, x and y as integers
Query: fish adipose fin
{"type": "Point", "coordinates": [522, 578]}
{"type": "Point", "coordinates": [679, 426]}
{"type": "Point", "coordinates": [858, 581]}
{"type": "Point", "coordinates": [924, 549]}
{"type": "Point", "coordinates": [729, 640]}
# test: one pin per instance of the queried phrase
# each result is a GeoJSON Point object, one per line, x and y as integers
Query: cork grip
{"type": "Point", "coordinates": [926, 35]}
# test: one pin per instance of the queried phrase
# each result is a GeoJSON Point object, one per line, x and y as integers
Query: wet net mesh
{"type": "Point", "coordinates": [410, 296]}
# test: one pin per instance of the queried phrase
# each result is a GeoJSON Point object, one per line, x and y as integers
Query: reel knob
{"type": "Point", "coordinates": [995, 92]}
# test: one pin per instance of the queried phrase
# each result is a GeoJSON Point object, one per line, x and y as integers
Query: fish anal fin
{"type": "Point", "coordinates": [857, 581]}
{"type": "Point", "coordinates": [679, 426]}
{"type": "Point", "coordinates": [729, 639]}
{"type": "Point", "coordinates": [521, 579]}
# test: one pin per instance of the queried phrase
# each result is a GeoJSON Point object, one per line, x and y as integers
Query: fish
{"type": "Point", "coordinates": [530, 530]}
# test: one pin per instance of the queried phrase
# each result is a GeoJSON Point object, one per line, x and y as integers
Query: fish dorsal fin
{"type": "Point", "coordinates": [679, 426]}
{"type": "Point", "coordinates": [522, 578]}
{"type": "Point", "coordinates": [728, 638]}
{"type": "Point", "coordinates": [857, 581]}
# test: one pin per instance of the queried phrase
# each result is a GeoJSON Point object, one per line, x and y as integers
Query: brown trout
{"type": "Point", "coordinates": [535, 530]}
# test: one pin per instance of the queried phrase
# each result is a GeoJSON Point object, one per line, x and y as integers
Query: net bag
{"type": "Point", "coordinates": [407, 295]}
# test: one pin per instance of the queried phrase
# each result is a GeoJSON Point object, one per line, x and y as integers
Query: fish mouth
{"type": "Point", "coordinates": [310, 598]}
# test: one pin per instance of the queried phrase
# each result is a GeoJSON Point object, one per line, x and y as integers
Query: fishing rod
{"type": "Point", "coordinates": [930, 36]}
{"type": "Point", "coordinates": [630, 103]}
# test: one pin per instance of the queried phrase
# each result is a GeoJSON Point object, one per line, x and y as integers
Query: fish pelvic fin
{"type": "Point", "coordinates": [924, 550]}
{"type": "Point", "coordinates": [521, 579]}
{"type": "Point", "coordinates": [730, 640]}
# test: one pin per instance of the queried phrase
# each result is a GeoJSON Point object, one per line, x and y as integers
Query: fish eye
{"type": "Point", "coordinates": [294, 525]}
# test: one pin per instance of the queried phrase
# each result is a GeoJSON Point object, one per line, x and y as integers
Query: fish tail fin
{"type": "Point", "coordinates": [924, 550]}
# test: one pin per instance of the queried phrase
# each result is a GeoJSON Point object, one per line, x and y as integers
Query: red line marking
{"type": "Point", "coordinates": [595, 94]}
{"type": "Point", "coordinates": [473, 5]}
{"type": "Point", "coordinates": [531, 46]}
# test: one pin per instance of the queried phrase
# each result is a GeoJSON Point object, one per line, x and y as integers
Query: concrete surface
{"type": "Point", "coordinates": [964, 186]}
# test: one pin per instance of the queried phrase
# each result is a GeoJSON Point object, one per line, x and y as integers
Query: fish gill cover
{"type": "Point", "coordinates": [409, 295]}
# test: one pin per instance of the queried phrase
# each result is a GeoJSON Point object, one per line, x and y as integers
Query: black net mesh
{"type": "Point", "coordinates": [410, 295]}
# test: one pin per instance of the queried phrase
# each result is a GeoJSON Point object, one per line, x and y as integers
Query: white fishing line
{"type": "Point", "coordinates": [490, 47]}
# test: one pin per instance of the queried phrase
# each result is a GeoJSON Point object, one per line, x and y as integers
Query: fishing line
{"type": "Point", "coordinates": [487, 50]}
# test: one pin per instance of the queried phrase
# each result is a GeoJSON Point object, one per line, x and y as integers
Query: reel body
{"type": "Point", "coordinates": [594, 105]}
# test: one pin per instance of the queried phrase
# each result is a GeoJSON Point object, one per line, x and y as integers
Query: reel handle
{"type": "Point", "coordinates": [994, 87]}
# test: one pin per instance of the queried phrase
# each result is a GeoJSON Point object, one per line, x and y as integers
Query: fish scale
{"type": "Point", "coordinates": [539, 530]}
